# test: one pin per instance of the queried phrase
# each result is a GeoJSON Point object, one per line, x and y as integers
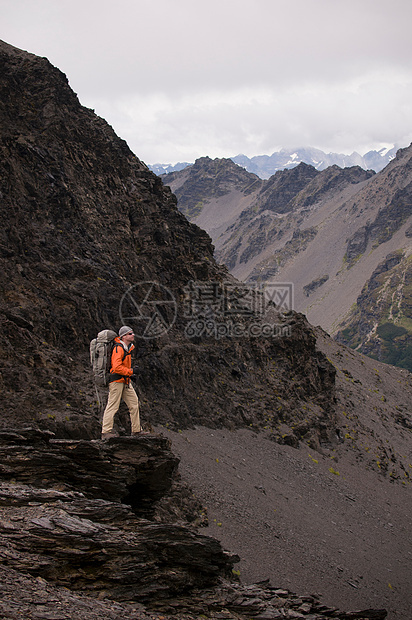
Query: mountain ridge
{"type": "Point", "coordinates": [348, 219]}
{"type": "Point", "coordinates": [264, 166]}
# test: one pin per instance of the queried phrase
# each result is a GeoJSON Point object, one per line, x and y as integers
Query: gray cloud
{"type": "Point", "coordinates": [182, 78]}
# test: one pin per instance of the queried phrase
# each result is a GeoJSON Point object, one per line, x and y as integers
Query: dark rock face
{"type": "Point", "coordinates": [116, 471]}
{"type": "Point", "coordinates": [315, 284]}
{"type": "Point", "coordinates": [282, 187]}
{"type": "Point", "coordinates": [84, 220]}
{"type": "Point", "coordinates": [389, 219]}
{"type": "Point", "coordinates": [357, 244]}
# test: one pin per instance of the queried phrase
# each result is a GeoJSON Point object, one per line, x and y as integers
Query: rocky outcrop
{"type": "Point", "coordinates": [378, 324]}
{"type": "Point", "coordinates": [389, 219]}
{"type": "Point", "coordinates": [82, 515]}
{"type": "Point", "coordinates": [71, 517]}
{"type": "Point", "coordinates": [84, 220]}
{"type": "Point", "coordinates": [315, 284]}
{"type": "Point", "coordinates": [143, 470]}
{"type": "Point", "coordinates": [278, 192]}
{"type": "Point", "coordinates": [208, 179]}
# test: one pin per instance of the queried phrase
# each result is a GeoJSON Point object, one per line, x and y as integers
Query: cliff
{"type": "Point", "coordinates": [379, 323]}
{"type": "Point", "coordinates": [85, 224]}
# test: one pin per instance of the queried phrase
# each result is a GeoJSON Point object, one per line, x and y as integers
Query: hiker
{"type": "Point", "coordinates": [119, 384]}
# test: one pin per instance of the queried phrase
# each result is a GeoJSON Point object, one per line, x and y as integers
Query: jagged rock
{"type": "Point", "coordinates": [135, 560]}
{"type": "Point", "coordinates": [120, 469]}
{"type": "Point", "coordinates": [357, 244]}
{"type": "Point", "coordinates": [57, 525]}
{"type": "Point", "coordinates": [278, 192]}
{"type": "Point", "coordinates": [71, 512]}
{"type": "Point", "coordinates": [315, 284]}
{"type": "Point", "coordinates": [139, 472]}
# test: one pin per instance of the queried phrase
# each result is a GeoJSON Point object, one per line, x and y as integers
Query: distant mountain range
{"type": "Point", "coordinates": [342, 236]}
{"type": "Point", "coordinates": [266, 165]}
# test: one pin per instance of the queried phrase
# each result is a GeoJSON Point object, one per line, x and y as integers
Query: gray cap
{"type": "Point", "coordinates": [124, 330]}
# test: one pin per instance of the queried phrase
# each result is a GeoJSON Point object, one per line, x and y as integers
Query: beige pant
{"type": "Point", "coordinates": [117, 391]}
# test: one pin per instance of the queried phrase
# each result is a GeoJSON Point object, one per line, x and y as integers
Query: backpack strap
{"type": "Point", "coordinates": [125, 353]}
{"type": "Point", "coordinates": [114, 376]}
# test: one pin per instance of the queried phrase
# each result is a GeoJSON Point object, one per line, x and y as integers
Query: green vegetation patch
{"type": "Point", "coordinates": [389, 331]}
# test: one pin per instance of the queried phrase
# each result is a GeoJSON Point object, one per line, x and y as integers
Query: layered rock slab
{"type": "Point", "coordinates": [57, 521]}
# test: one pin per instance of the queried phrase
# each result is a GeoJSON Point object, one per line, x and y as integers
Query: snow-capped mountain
{"type": "Point", "coordinates": [160, 169]}
{"type": "Point", "coordinates": [266, 165]}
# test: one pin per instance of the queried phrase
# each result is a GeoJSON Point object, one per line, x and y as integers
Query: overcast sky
{"type": "Point", "coordinates": [180, 79]}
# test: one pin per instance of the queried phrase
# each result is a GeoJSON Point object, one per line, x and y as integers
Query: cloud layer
{"type": "Point", "coordinates": [178, 79]}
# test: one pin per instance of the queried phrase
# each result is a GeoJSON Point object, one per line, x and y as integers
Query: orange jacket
{"type": "Point", "coordinates": [121, 366]}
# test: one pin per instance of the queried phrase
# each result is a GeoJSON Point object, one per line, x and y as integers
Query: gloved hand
{"type": "Point", "coordinates": [135, 370]}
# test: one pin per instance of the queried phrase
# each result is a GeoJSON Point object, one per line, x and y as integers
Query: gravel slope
{"type": "Point", "coordinates": [306, 521]}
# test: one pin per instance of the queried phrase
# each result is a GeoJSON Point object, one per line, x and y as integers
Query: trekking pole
{"type": "Point", "coordinates": [100, 403]}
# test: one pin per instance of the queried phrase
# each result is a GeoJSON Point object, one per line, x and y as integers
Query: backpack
{"type": "Point", "coordinates": [101, 355]}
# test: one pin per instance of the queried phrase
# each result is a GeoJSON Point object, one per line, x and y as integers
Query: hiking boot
{"type": "Point", "coordinates": [109, 435]}
{"type": "Point", "coordinates": [140, 433]}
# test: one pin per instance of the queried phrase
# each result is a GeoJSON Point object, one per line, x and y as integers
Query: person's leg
{"type": "Point", "coordinates": [132, 401]}
{"type": "Point", "coordinates": [113, 402]}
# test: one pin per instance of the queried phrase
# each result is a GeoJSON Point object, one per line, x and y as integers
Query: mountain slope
{"type": "Point", "coordinates": [326, 232]}
{"type": "Point", "coordinates": [379, 324]}
{"type": "Point", "coordinates": [85, 224]}
{"type": "Point", "coordinates": [336, 519]}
